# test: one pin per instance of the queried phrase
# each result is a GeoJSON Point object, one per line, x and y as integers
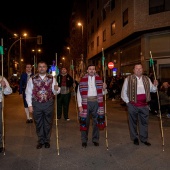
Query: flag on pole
{"type": "Point", "coordinates": [151, 63]}
{"type": "Point", "coordinates": [1, 50]}
{"type": "Point", "coordinates": [72, 67]}
{"type": "Point", "coordinates": [103, 58]}
{"type": "Point", "coordinates": [57, 71]}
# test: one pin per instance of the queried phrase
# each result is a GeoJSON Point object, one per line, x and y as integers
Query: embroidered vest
{"type": "Point", "coordinates": [42, 89]}
{"type": "Point", "coordinates": [132, 88]}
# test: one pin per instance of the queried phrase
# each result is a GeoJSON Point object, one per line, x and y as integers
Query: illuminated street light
{"type": "Point", "coordinates": [80, 25]}
{"type": "Point", "coordinates": [35, 58]}
{"type": "Point", "coordinates": [16, 35]}
{"type": "Point", "coordinates": [68, 48]}
{"type": "Point", "coordinates": [39, 39]}
{"type": "Point", "coordinates": [63, 58]}
{"type": "Point", "coordinates": [82, 56]}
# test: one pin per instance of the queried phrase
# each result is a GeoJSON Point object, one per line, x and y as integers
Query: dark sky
{"type": "Point", "coordinates": [49, 19]}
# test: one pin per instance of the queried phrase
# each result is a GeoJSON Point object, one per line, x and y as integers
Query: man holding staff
{"type": "Point", "coordinates": [6, 90]}
{"type": "Point", "coordinates": [136, 94]}
{"type": "Point", "coordinates": [40, 92]}
{"type": "Point", "coordinates": [90, 103]}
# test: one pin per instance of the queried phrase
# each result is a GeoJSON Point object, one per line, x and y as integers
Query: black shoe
{"type": "Point", "coordinates": [136, 142]}
{"type": "Point", "coordinates": [84, 144]}
{"type": "Point", "coordinates": [96, 143]}
{"type": "Point", "coordinates": [28, 121]}
{"type": "Point", "coordinates": [1, 149]}
{"type": "Point", "coordinates": [47, 145]}
{"type": "Point", "coordinates": [39, 146]}
{"type": "Point", "coordinates": [146, 143]}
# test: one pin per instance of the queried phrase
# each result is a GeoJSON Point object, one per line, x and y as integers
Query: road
{"type": "Point", "coordinates": [122, 154]}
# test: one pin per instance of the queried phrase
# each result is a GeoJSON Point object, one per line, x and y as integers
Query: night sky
{"type": "Point", "coordinates": [49, 19]}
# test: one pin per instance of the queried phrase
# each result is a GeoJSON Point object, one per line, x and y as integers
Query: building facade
{"type": "Point", "coordinates": [129, 32]}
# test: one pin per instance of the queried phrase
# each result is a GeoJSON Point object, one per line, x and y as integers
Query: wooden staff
{"type": "Point", "coordinates": [56, 114]}
{"type": "Point", "coordinates": [160, 114]}
{"type": "Point", "coordinates": [72, 66]}
{"type": "Point", "coordinates": [104, 76]}
{"type": "Point", "coordinates": [3, 127]}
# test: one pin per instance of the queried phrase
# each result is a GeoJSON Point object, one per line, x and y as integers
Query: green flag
{"type": "Point", "coordinates": [72, 67]}
{"type": "Point", "coordinates": [57, 71]}
{"type": "Point", "coordinates": [103, 59]}
{"type": "Point", "coordinates": [1, 50]}
{"type": "Point", "coordinates": [151, 63]}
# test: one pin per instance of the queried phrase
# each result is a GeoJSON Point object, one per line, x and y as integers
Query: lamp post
{"type": "Point", "coordinates": [63, 58]}
{"type": "Point", "coordinates": [82, 56]}
{"type": "Point", "coordinates": [35, 58]}
{"type": "Point", "coordinates": [81, 25]}
{"type": "Point", "coordinates": [69, 58]}
{"type": "Point", "coordinates": [68, 48]}
{"type": "Point", "coordinates": [16, 35]}
{"type": "Point", "coordinates": [19, 54]}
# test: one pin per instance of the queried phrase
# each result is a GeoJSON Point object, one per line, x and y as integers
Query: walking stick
{"type": "Point", "coordinates": [56, 115]}
{"type": "Point", "coordinates": [72, 66]}
{"type": "Point", "coordinates": [160, 115]}
{"type": "Point", "coordinates": [104, 75]}
{"type": "Point", "coordinates": [3, 128]}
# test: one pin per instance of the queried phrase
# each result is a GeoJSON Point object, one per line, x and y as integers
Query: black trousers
{"type": "Point", "coordinates": [63, 101]}
{"type": "Point", "coordinates": [43, 117]}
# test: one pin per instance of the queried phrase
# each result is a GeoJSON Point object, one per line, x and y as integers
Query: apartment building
{"type": "Point", "coordinates": [129, 32]}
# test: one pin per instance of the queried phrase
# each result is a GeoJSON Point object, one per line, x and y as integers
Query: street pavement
{"type": "Point", "coordinates": [121, 154]}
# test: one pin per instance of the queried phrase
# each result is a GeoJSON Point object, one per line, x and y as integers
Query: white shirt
{"type": "Point", "coordinates": [7, 90]}
{"type": "Point", "coordinates": [29, 89]}
{"type": "Point", "coordinates": [140, 88]}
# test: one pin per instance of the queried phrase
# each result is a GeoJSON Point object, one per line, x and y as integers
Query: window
{"type": "Point", "coordinates": [104, 14]}
{"type": "Point", "coordinates": [98, 22]}
{"type": "Point", "coordinates": [97, 4]}
{"type": "Point", "coordinates": [158, 6]}
{"type": "Point", "coordinates": [125, 17]}
{"type": "Point", "coordinates": [112, 4]}
{"type": "Point", "coordinates": [92, 45]}
{"type": "Point", "coordinates": [97, 40]}
{"type": "Point", "coordinates": [113, 28]}
{"type": "Point", "coordinates": [92, 29]}
{"type": "Point", "coordinates": [104, 35]}
{"type": "Point", "coordinates": [92, 13]}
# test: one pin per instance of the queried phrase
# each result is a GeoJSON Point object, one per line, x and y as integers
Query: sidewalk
{"type": "Point", "coordinates": [122, 154]}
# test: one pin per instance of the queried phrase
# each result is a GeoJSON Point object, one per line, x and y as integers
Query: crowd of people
{"type": "Point", "coordinates": [137, 91]}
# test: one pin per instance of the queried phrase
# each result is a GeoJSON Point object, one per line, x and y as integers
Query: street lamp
{"type": "Point", "coordinates": [69, 58]}
{"type": "Point", "coordinates": [68, 48]}
{"type": "Point", "coordinates": [82, 56]}
{"type": "Point", "coordinates": [20, 53]}
{"type": "Point", "coordinates": [39, 41]}
{"type": "Point", "coordinates": [81, 25]}
{"type": "Point", "coordinates": [35, 58]}
{"type": "Point", "coordinates": [63, 58]}
{"type": "Point", "coordinates": [16, 35]}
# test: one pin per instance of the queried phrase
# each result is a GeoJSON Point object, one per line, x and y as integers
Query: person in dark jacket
{"type": "Point", "coordinates": [65, 81]}
{"type": "Point", "coordinates": [22, 86]}
{"type": "Point", "coordinates": [165, 98]}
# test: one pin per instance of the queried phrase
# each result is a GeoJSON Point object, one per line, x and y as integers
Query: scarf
{"type": "Point", "coordinates": [83, 86]}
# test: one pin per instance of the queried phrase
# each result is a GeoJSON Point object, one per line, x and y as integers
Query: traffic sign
{"type": "Point", "coordinates": [111, 65]}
